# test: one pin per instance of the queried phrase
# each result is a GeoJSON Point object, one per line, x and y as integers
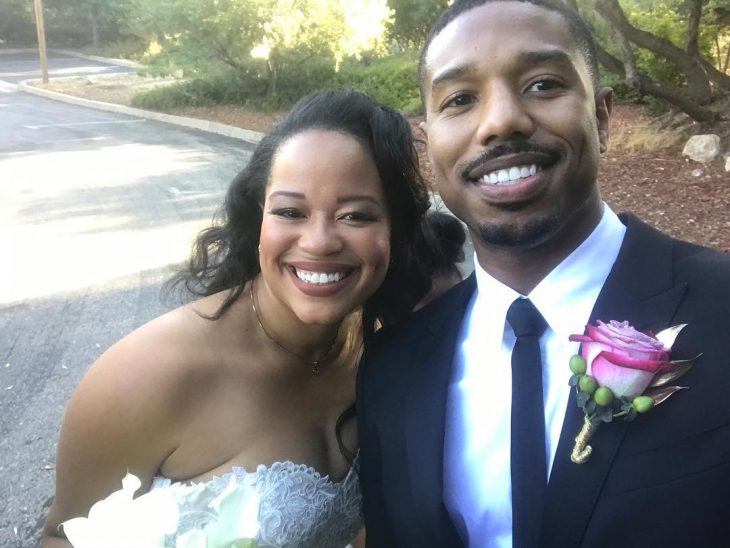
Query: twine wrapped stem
{"type": "Point", "coordinates": [581, 449]}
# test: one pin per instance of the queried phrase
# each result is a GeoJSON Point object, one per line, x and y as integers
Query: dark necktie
{"type": "Point", "coordinates": [528, 462]}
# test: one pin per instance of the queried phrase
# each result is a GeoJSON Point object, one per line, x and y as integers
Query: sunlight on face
{"type": "Point", "coordinates": [325, 235]}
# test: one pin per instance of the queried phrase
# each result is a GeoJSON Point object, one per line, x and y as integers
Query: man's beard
{"type": "Point", "coordinates": [518, 235]}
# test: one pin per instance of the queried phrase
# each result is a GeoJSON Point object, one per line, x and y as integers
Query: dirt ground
{"type": "Point", "coordinates": [643, 172]}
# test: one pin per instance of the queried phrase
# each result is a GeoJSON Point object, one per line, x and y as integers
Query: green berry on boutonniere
{"type": "Point", "coordinates": [621, 372]}
{"type": "Point", "coordinates": [642, 404]}
{"type": "Point", "coordinates": [587, 384]}
{"type": "Point", "coordinates": [578, 364]}
{"type": "Point", "coordinates": [603, 396]}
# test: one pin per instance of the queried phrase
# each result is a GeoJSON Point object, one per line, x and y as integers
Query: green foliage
{"type": "Point", "coordinates": [220, 88]}
{"type": "Point", "coordinates": [17, 23]}
{"type": "Point", "coordinates": [292, 38]}
{"type": "Point", "coordinates": [130, 47]}
{"type": "Point", "coordinates": [392, 80]}
{"type": "Point", "coordinates": [297, 75]}
{"type": "Point", "coordinates": [248, 85]}
{"type": "Point", "coordinates": [661, 18]}
{"type": "Point", "coordinates": [413, 18]}
{"type": "Point", "coordinates": [667, 19]}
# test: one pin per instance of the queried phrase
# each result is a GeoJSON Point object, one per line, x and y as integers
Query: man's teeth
{"type": "Point", "coordinates": [319, 277]}
{"type": "Point", "coordinates": [507, 176]}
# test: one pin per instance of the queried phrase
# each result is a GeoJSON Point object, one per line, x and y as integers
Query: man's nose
{"type": "Point", "coordinates": [320, 237]}
{"type": "Point", "coordinates": [503, 115]}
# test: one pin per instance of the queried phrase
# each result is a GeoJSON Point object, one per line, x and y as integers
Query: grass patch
{"type": "Point", "coordinates": [643, 137]}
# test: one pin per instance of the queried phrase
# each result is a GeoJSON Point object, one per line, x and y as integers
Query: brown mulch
{"type": "Point", "coordinates": [644, 171]}
{"type": "Point", "coordinates": [684, 198]}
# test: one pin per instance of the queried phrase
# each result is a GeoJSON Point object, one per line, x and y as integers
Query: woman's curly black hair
{"type": "Point", "coordinates": [224, 256]}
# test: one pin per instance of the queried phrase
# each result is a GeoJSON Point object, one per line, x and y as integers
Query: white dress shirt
{"type": "Point", "coordinates": [477, 486]}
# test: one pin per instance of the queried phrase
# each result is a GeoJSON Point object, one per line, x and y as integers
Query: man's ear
{"type": "Point", "coordinates": [604, 103]}
{"type": "Point", "coordinates": [424, 133]}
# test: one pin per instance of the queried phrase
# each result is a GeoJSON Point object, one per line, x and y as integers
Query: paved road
{"type": "Point", "coordinates": [94, 208]}
{"type": "Point", "coordinates": [24, 65]}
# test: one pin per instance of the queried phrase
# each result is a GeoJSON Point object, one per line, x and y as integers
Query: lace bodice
{"type": "Point", "coordinates": [299, 508]}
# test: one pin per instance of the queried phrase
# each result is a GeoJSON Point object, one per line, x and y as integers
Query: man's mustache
{"type": "Point", "coordinates": [552, 154]}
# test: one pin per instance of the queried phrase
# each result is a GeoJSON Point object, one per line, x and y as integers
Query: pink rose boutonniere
{"type": "Point", "coordinates": [621, 372]}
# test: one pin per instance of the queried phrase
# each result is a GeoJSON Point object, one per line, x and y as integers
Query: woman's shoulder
{"type": "Point", "coordinates": [169, 349]}
{"type": "Point", "coordinates": [155, 364]}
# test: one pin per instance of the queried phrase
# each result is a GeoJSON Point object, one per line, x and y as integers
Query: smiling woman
{"type": "Point", "coordinates": [251, 385]}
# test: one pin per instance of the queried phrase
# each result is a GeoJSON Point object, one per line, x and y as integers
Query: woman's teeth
{"type": "Point", "coordinates": [319, 278]}
{"type": "Point", "coordinates": [508, 176]}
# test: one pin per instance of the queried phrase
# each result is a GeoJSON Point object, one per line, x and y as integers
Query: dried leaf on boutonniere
{"type": "Point", "coordinates": [621, 372]}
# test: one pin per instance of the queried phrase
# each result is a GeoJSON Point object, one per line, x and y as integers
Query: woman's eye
{"type": "Point", "coordinates": [359, 217]}
{"type": "Point", "coordinates": [287, 213]}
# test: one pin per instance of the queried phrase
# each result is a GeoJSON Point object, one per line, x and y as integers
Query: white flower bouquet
{"type": "Point", "coordinates": [151, 520]}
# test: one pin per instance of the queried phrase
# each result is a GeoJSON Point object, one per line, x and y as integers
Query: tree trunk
{"type": "Point", "coordinates": [644, 84]}
{"type": "Point", "coordinates": [271, 69]}
{"type": "Point", "coordinates": [698, 85]}
{"type": "Point", "coordinates": [720, 79]}
{"type": "Point", "coordinates": [693, 27]}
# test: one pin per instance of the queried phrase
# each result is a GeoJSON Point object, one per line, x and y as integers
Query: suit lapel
{"type": "Point", "coordinates": [639, 289]}
{"type": "Point", "coordinates": [425, 415]}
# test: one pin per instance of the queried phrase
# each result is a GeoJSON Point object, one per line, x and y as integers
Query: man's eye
{"type": "Point", "coordinates": [545, 85]}
{"type": "Point", "coordinates": [460, 100]}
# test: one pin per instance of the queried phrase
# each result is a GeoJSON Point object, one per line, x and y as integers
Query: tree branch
{"type": "Point", "coordinates": [693, 27]}
{"type": "Point", "coordinates": [698, 85]}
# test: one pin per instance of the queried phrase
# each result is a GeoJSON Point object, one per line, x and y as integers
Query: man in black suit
{"type": "Point", "coordinates": [515, 124]}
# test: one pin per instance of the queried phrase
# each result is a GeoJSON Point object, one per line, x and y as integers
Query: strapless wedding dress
{"type": "Point", "coordinates": [299, 507]}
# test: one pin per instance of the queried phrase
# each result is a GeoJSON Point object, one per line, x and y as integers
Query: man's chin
{"type": "Point", "coordinates": [518, 236]}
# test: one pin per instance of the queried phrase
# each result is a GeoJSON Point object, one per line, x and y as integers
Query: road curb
{"type": "Point", "coordinates": [193, 123]}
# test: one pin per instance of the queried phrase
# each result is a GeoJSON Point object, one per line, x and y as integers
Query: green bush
{"type": "Point", "coordinates": [391, 80]}
{"type": "Point", "coordinates": [297, 74]}
{"type": "Point", "coordinates": [130, 47]}
{"type": "Point", "coordinates": [219, 89]}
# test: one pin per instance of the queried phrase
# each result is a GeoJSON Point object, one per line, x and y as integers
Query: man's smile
{"type": "Point", "coordinates": [508, 176]}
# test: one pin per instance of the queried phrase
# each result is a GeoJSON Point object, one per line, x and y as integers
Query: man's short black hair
{"type": "Point", "coordinates": [578, 29]}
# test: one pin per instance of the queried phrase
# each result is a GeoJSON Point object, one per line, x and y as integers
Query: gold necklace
{"type": "Point", "coordinates": [313, 364]}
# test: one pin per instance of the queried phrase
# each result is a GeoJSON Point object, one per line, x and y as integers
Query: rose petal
{"type": "Point", "coordinates": [651, 366]}
{"type": "Point", "coordinates": [623, 335]}
{"type": "Point", "coordinates": [623, 381]}
{"type": "Point", "coordinates": [589, 351]}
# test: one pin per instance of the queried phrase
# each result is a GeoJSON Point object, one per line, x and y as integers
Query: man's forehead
{"type": "Point", "coordinates": [495, 28]}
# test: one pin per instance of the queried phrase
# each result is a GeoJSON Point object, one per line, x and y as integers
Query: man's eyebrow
{"type": "Point", "coordinates": [452, 73]}
{"type": "Point", "coordinates": [545, 56]}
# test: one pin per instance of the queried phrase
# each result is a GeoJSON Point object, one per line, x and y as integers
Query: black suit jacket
{"type": "Point", "coordinates": [661, 480]}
